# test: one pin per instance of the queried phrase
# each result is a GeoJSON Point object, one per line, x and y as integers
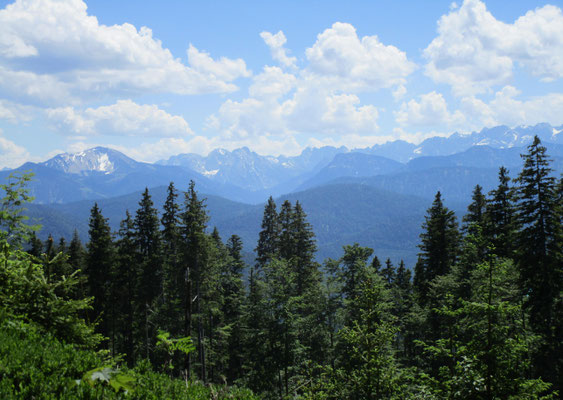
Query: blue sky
{"type": "Point", "coordinates": [153, 79]}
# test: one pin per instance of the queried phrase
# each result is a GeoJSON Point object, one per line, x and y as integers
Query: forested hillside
{"type": "Point", "coordinates": [167, 308]}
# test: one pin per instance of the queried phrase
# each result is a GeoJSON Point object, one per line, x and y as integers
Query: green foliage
{"type": "Point", "coordinates": [37, 365]}
{"type": "Point", "coordinates": [26, 291]}
{"type": "Point", "coordinates": [169, 345]}
{"type": "Point", "coordinates": [13, 227]}
{"type": "Point", "coordinates": [34, 364]}
{"type": "Point", "coordinates": [107, 376]}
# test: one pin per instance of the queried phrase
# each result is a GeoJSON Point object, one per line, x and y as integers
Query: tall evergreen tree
{"type": "Point", "coordinates": [123, 292]}
{"type": "Point", "coordinates": [500, 222]}
{"type": "Point", "coordinates": [233, 307]}
{"type": "Point", "coordinates": [307, 270]}
{"type": "Point", "coordinates": [36, 245]}
{"type": "Point", "coordinates": [539, 255]}
{"type": "Point", "coordinates": [388, 273]}
{"type": "Point", "coordinates": [439, 246]}
{"type": "Point", "coordinates": [99, 260]}
{"type": "Point", "coordinates": [194, 239]}
{"type": "Point", "coordinates": [353, 269]}
{"type": "Point", "coordinates": [268, 241]}
{"type": "Point", "coordinates": [475, 211]}
{"type": "Point", "coordinates": [149, 246]}
{"type": "Point", "coordinates": [173, 285]}
{"type": "Point", "coordinates": [76, 252]}
{"type": "Point", "coordinates": [286, 238]}
{"type": "Point", "coordinates": [376, 264]}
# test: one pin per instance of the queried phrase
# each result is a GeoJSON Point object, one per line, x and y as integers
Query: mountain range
{"type": "Point", "coordinates": [384, 189]}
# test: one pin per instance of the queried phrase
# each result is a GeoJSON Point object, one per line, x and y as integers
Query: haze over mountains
{"type": "Point", "coordinates": [376, 195]}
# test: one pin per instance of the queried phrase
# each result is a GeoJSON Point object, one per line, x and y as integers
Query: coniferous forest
{"type": "Point", "coordinates": [167, 308]}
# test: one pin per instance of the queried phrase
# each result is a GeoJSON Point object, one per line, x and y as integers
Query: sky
{"type": "Point", "coordinates": [158, 78]}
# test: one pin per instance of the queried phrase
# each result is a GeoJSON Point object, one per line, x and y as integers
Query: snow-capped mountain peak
{"type": "Point", "coordinates": [95, 160]}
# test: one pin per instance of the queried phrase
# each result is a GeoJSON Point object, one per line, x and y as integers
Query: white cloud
{"type": "Point", "coordinates": [14, 113]}
{"type": "Point", "coordinates": [314, 111]}
{"type": "Point", "coordinates": [505, 108]}
{"type": "Point", "coordinates": [307, 111]}
{"type": "Point", "coordinates": [431, 110]}
{"type": "Point", "coordinates": [166, 147]}
{"type": "Point", "coordinates": [474, 51]}
{"type": "Point", "coordinates": [322, 98]}
{"type": "Point", "coordinates": [417, 136]}
{"type": "Point", "coordinates": [11, 155]}
{"type": "Point", "coordinates": [53, 50]}
{"type": "Point", "coordinates": [272, 82]}
{"type": "Point", "coordinates": [224, 69]}
{"type": "Point", "coordinates": [352, 141]}
{"type": "Point", "coordinates": [399, 92]}
{"type": "Point", "coordinates": [122, 118]}
{"type": "Point", "coordinates": [279, 53]}
{"type": "Point", "coordinates": [342, 59]}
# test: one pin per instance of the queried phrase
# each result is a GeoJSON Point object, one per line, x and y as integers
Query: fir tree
{"type": "Point", "coordinates": [233, 307]}
{"type": "Point", "coordinates": [149, 247]}
{"type": "Point", "coordinates": [194, 224]}
{"type": "Point", "coordinates": [539, 255]}
{"type": "Point", "coordinates": [76, 252]}
{"type": "Point", "coordinates": [99, 259]}
{"type": "Point", "coordinates": [475, 211]}
{"type": "Point", "coordinates": [125, 276]}
{"type": "Point", "coordinates": [268, 242]}
{"type": "Point", "coordinates": [286, 241]}
{"type": "Point", "coordinates": [388, 273]}
{"type": "Point", "coordinates": [439, 246]}
{"type": "Point", "coordinates": [375, 264]}
{"type": "Point", "coordinates": [500, 222]}
{"type": "Point", "coordinates": [36, 245]}
{"type": "Point", "coordinates": [307, 270]}
{"type": "Point", "coordinates": [173, 285]}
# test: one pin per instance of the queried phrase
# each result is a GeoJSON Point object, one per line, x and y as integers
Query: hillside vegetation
{"type": "Point", "coordinates": [165, 308]}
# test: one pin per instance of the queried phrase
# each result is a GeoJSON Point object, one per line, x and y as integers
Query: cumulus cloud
{"type": "Point", "coordinates": [431, 110]}
{"type": "Point", "coordinates": [53, 50]}
{"type": "Point", "coordinates": [278, 51]}
{"type": "Point", "coordinates": [272, 82]}
{"type": "Point", "coordinates": [11, 155]}
{"type": "Point", "coordinates": [122, 118]}
{"type": "Point", "coordinates": [323, 97]}
{"type": "Point", "coordinates": [224, 69]}
{"type": "Point", "coordinates": [474, 51]}
{"type": "Point", "coordinates": [506, 108]}
{"type": "Point", "coordinates": [341, 58]}
{"type": "Point", "coordinates": [14, 113]}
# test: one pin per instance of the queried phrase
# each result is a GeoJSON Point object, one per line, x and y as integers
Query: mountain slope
{"type": "Point", "coordinates": [353, 164]}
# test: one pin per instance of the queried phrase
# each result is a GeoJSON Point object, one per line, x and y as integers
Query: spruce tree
{"type": "Point", "coordinates": [76, 252]}
{"type": "Point", "coordinates": [500, 222]}
{"type": "Point", "coordinates": [286, 241]}
{"type": "Point", "coordinates": [439, 246]}
{"type": "Point", "coordinates": [99, 259]}
{"type": "Point", "coordinates": [475, 211]}
{"type": "Point", "coordinates": [539, 256]}
{"type": "Point", "coordinates": [268, 241]}
{"type": "Point", "coordinates": [194, 243]}
{"type": "Point", "coordinates": [149, 246]}
{"type": "Point", "coordinates": [233, 308]}
{"type": "Point", "coordinates": [376, 264]}
{"type": "Point", "coordinates": [388, 273]}
{"type": "Point", "coordinates": [307, 270]}
{"type": "Point", "coordinates": [36, 245]}
{"type": "Point", "coordinates": [173, 285]}
{"type": "Point", "coordinates": [124, 284]}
